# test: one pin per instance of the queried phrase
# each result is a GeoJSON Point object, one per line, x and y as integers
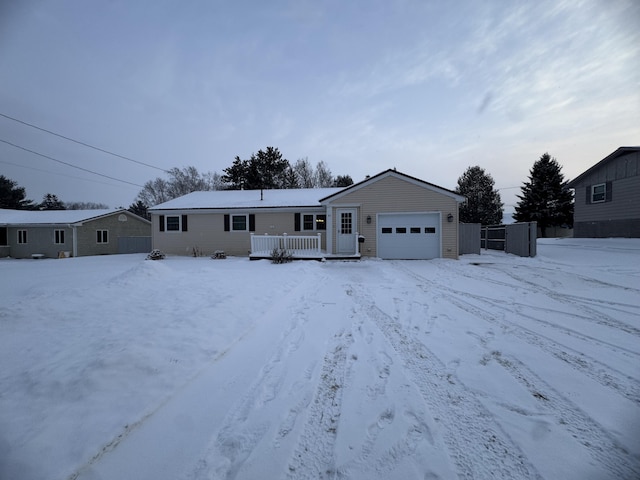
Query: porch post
{"type": "Point", "coordinates": [252, 245]}
{"type": "Point", "coordinates": [319, 242]}
{"type": "Point", "coordinates": [357, 244]}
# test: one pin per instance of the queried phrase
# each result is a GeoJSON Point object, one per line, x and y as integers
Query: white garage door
{"type": "Point", "coordinates": [409, 236]}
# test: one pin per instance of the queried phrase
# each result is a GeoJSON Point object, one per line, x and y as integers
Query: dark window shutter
{"type": "Point", "coordinates": [588, 200]}
{"type": "Point", "coordinates": [161, 220]}
{"type": "Point", "coordinates": [184, 223]}
{"type": "Point", "coordinates": [252, 222]}
{"type": "Point", "coordinates": [609, 192]}
{"type": "Point", "coordinates": [226, 223]}
{"type": "Point", "coordinates": [296, 222]}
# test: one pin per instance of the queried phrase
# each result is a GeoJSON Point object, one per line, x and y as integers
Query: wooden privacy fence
{"type": "Point", "coordinates": [517, 238]}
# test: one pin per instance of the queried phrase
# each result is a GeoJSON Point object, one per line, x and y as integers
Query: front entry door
{"type": "Point", "coordinates": [346, 234]}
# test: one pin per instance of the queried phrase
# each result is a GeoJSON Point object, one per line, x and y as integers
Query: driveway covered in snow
{"type": "Point", "coordinates": [490, 367]}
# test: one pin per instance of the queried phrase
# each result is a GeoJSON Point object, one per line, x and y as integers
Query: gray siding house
{"type": "Point", "coordinates": [56, 233]}
{"type": "Point", "coordinates": [607, 197]}
{"type": "Point", "coordinates": [390, 215]}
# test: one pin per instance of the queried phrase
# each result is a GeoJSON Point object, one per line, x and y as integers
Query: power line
{"type": "Point", "coordinates": [69, 164]}
{"type": "Point", "coordinates": [56, 173]}
{"type": "Point", "coordinates": [82, 143]}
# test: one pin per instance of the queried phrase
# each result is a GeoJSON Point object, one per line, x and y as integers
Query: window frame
{"type": "Point", "coordinates": [314, 222]}
{"type": "Point", "coordinates": [58, 236]}
{"type": "Point", "coordinates": [101, 235]}
{"type": "Point", "coordinates": [232, 224]}
{"type": "Point", "coordinates": [603, 193]}
{"type": "Point", "coordinates": [166, 223]}
{"type": "Point", "coordinates": [22, 236]}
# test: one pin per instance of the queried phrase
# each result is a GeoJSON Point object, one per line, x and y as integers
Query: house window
{"type": "Point", "coordinates": [58, 237]}
{"type": "Point", "coordinates": [173, 223]}
{"type": "Point", "coordinates": [4, 238]}
{"type": "Point", "coordinates": [239, 223]}
{"type": "Point", "coordinates": [22, 236]}
{"type": "Point", "coordinates": [598, 193]}
{"type": "Point", "coordinates": [307, 222]}
{"type": "Point", "coordinates": [102, 236]}
{"type": "Point", "coordinates": [311, 221]}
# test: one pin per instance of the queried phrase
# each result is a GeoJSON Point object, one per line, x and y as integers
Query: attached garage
{"type": "Point", "coordinates": [409, 236]}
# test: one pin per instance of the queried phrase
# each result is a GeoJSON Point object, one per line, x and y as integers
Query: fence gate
{"type": "Point", "coordinates": [517, 238]}
{"type": "Point", "coordinates": [469, 238]}
{"type": "Point", "coordinates": [134, 244]}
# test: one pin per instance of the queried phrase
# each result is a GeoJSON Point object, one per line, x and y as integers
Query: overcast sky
{"type": "Point", "coordinates": [429, 88]}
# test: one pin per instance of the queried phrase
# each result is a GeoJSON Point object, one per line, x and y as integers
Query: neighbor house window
{"type": "Point", "coordinates": [4, 238]}
{"type": "Point", "coordinates": [321, 222]}
{"type": "Point", "coordinates": [58, 237]}
{"type": "Point", "coordinates": [598, 193]}
{"type": "Point", "coordinates": [173, 223]}
{"type": "Point", "coordinates": [102, 236]}
{"type": "Point", "coordinates": [22, 236]}
{"type": "Point", "coordinates": [239, 223]}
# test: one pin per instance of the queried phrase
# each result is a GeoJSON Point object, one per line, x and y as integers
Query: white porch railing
{"type": "Point", "coordinates": [297, 245]}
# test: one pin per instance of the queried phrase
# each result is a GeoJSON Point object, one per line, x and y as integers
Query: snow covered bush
{"type": "Point", "coordinates": [155, 255]}
{"type": "Point", "coordinates": [280, 255]}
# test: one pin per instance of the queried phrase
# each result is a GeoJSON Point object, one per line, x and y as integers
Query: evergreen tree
{"type": "Point", "coordinates": [483, 203]}
{"type": "Point", "coordinates": [140, 209]}
{"type": "Point", "coordinates": [51, 202]}
{"type": "Point", "coordinates": [266, 169]}
{"type": "Point", "coordinates": [342, 181]}
{"type": "Point", "coordinates": [85, 206]}
{"type": "Point", "coordinates": [12, 196]}
{"type": "Point", "coordinates": [545, 198]}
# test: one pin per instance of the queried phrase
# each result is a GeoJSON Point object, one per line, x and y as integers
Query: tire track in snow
{"type": "Point", "coordinates": [478, 447]}
{"type": "Point", "coordinates": [241, 431]}
{"type": "Point", "coordinates": [578, 302]}
{"type": "Point", "coordinates": [598, 442]}
{"type": "Point", "coordinates": [607, 376]}
{"type": "Point", "coordinates": [314, 456]}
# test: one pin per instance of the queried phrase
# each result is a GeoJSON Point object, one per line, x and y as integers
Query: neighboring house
{"type": "Point", "coordinates": [55, 233]}
{"type": "Point", "coordinates": [607, 197]}
{"type": "Point", "coordinates": [390, 215]}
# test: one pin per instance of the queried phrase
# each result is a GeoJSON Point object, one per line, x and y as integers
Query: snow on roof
{"type": "Point", "coordinates": [46, 217]}
{"type": "Point", "coordinates": [294, 197]}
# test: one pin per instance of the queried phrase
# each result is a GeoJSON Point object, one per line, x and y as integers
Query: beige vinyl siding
{"type": "Point", "coordinates": [392, 194]}
{"type": "Point", "coordinates": [206, 232]}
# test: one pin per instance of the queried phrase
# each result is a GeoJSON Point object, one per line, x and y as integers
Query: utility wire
{"type": "Point", "coordinates": [59, 174]}
{"type": "Point", "coordinates": [82, 143]}
{"type": "Point", "coordinates": [69, 164]}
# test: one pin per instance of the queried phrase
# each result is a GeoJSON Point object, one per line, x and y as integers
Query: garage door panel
{"type": "Point", "coordinates": [409, 236]}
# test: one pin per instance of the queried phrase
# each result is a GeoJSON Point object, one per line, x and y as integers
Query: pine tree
{"type": "Point", "coordinates": [545, 198]}
{"type": "Point", "coordinates": [140, 209]}
{"type": "Point", "coordinates": [483, 204]}
{"type": "Point", "coordinates": [51, 202]}
{"type": "Point", "coordinates": [12, 196]}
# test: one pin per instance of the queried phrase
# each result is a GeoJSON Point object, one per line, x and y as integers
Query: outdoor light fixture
{"type": "Point", "coordinates": [368, 218]}
{"type": "Point", "coordinates": [450, 218]}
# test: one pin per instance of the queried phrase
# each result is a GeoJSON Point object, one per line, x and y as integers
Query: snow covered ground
{"type": "Point", "coordinates": [489, 367]}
